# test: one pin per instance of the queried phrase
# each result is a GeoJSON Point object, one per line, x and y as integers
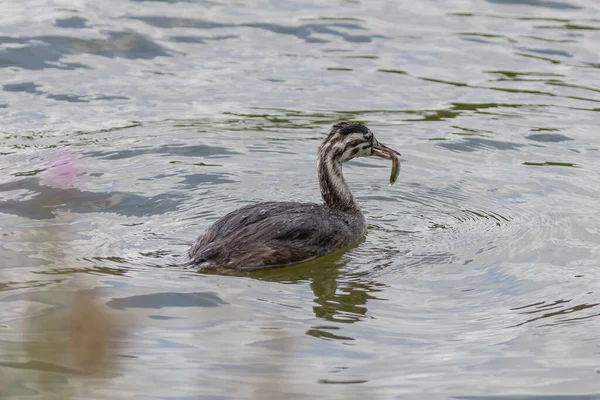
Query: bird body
{"type": "Point", "coordinates": [276, 233]}
{"type": "Point", "coordinates": [272, 234]}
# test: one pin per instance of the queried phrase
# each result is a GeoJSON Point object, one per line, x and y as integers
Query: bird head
{"type": "Point", "coordinates": [348, 140]}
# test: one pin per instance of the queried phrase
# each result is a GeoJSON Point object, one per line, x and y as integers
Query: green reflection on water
{"type": "Point", "coordinates": [341, 295]}
{"type": "Point", "coordinates": [551, 164]}
{"type": "Point", "coordinates": [393, 71]}
{"type": "Point", "coordinates": [29, 173]}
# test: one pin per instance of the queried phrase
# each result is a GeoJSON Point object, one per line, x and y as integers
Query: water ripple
{"type": "Point", "coordinates": [478, 271]}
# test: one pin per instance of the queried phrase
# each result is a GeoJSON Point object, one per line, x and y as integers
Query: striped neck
{"type": "Point", "coordinates": [334, 189]}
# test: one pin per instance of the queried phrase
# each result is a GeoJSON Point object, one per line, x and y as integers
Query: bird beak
{"type": "Point", "coordinates": [381, 150]}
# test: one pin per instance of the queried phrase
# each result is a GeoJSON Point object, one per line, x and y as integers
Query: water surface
{"type": "Point", "coordinates": [129, 126]}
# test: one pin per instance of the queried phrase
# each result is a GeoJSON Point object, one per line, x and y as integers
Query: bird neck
{"type": "Point", "coordinates": [334, 189]}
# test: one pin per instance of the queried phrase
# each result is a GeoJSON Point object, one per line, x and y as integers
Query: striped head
{"type": "Point", "coordinates": [348, 140]}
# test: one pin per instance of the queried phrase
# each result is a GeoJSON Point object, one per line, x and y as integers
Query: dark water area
{"type": "Point", "coordinates": [127, 127]}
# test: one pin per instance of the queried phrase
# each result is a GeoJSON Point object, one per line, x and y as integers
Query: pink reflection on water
{"type": "Point", "coordinates": [64, 168]}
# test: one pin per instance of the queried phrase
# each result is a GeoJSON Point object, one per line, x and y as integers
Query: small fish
{"type": "Point", "coordinates": [381, 150]}
{"type": "Point", "coordinates": [395, 169]}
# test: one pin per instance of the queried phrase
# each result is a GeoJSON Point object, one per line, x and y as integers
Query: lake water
{"type": "Point", "coordinates": [127, 127]}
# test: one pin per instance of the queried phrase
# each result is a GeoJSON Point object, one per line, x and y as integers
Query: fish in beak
{"type": "Point", "coordinates": [381, 150]}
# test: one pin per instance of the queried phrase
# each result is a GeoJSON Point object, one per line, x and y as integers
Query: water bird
{"type": "Point", "coordinates": [272, 234]}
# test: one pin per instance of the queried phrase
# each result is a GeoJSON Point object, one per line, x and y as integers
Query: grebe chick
{"type": "Point", "coordinates": [271, 234]}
